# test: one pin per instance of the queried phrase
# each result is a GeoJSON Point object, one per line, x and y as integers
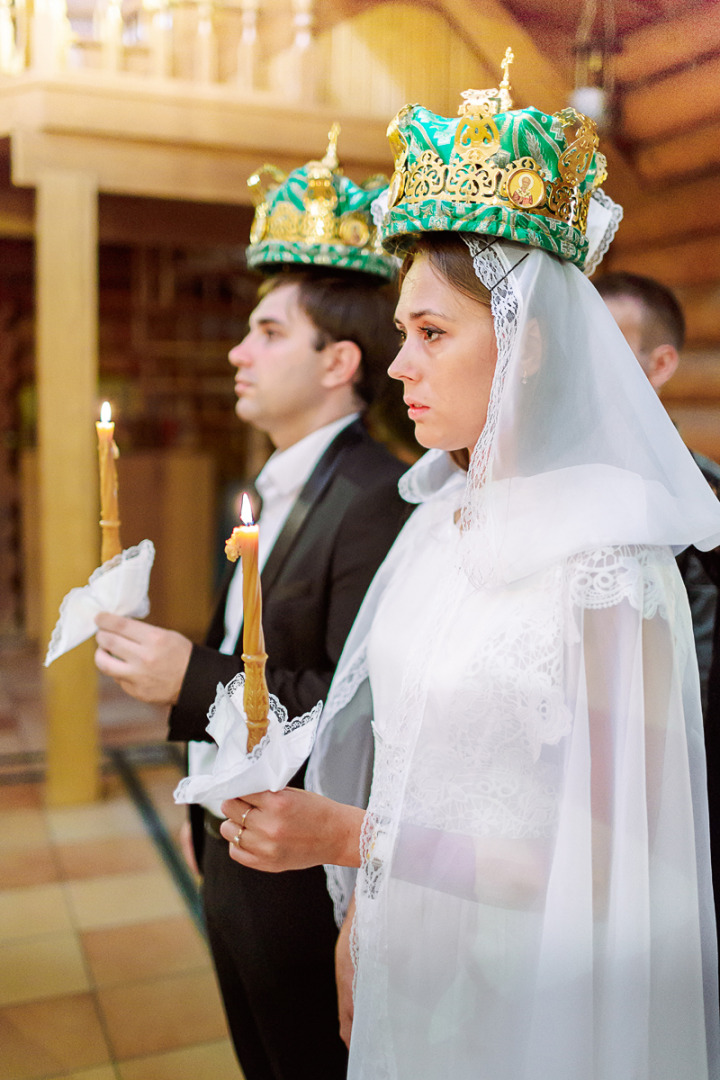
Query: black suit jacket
{"type": "Point", "coordinates": [313, 597]}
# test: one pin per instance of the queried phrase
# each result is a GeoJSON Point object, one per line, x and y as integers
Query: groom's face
{"type": "Point", "coordinates": [280, 365]}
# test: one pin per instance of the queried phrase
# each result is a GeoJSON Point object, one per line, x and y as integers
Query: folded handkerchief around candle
{"type": "Point", "coordinates": [120, 586]}
{"type": "Point", "coordinates": [272, 763]}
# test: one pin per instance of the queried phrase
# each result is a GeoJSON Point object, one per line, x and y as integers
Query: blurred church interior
{"type": "Point", "coordinates": [128, 129]}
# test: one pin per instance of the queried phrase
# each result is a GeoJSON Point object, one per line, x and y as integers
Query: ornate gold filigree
{"type": "Point", "coordinates": [317, 222]}
{"type": "Point", "coordinates": [398, 143]}
{"type": "Point", "coordinates": [487, 103]}
{"type": "Point", "coordinates": [258, 190]}
{"type": "Point", "coordinates": [478, 172]}
{"type": "Point", "coordinates": [506, 101]}
{"type": "Point", "coordinates": [575, 161]}
{"type": "Point", "coordinates": [476, 139]}
{"type": "Point", "coordinates": [331, 161]}
{"type": "Point", "coordinates": [285, 222]}
{"type": "Point", "coordinates": [427, 179]}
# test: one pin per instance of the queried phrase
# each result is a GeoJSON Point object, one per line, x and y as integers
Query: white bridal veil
{"type": "Point", "coordinates": [534, 901]}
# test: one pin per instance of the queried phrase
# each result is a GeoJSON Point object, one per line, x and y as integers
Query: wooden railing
{"type": "Point", "coordinates": [232, 42]}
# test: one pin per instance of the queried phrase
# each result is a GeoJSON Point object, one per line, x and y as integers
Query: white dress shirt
{"type": "Point", "coordinates": [279, 483]}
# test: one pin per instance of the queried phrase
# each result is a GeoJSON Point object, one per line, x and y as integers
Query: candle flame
{"type": "Point", "coordinates": [246, 514]}
{"type": "Point", "coordinates": [105, 412]}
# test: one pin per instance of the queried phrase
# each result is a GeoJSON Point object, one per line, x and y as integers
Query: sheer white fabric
{"type": "Point", "coordinates": [529, 901]}
{"type": "Point", "coordinates": [577, 451]}
{"type": "Point", "coordinates": [534, 900]}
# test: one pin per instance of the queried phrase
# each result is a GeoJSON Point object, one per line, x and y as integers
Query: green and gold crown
{"type": "Point", "coordinates": [517, 174]}
{"type": "Point", "coordinates": [315, 216]}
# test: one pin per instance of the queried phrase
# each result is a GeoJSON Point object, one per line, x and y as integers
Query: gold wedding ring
{"type": "Point", "coordinates": [238, 836]}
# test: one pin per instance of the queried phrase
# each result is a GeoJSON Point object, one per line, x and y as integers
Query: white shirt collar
{"type": "Point", "coordinates": [287, 470]}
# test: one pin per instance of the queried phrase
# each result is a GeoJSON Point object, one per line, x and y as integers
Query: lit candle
{"type": "Point", "coordinates": [244, 543]}
{"type": "Point", "coordinates": [107, 454]}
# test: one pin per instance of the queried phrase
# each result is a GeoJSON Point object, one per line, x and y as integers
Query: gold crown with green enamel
{"type": "Point", "coordinates": [316, 216]}
{"type": "Point", "coordinates": [519, 174]}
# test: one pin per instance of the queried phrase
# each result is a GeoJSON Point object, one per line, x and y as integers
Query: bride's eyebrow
{"type": "Point", "coordinates": [414, 315]}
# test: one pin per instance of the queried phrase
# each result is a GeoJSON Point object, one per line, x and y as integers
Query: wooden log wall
{"type": "Point", "coordinates": [669, 124]}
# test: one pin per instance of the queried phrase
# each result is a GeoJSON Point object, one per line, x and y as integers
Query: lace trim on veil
{"type": "Point", "coordinates": [612, 215]}
{"type": "Point", "coordinates": [495, 272]}
{"type": "Point", "coordinates": [341, 879]}
{"type": "Point", "coordinates": [344, 691]}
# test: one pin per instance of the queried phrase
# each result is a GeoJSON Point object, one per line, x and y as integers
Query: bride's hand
{"type": "Point", "coordinates": [345, 975]}
{"type": "Point", "coordinates": [291, 830]}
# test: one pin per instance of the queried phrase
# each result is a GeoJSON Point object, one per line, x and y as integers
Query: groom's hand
{"type": "Point", "coordinates": [149, 663]}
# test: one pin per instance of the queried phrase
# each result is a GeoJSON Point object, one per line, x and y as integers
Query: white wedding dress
{"type": "Point", "coordinates": [528, 908]}
{"type": "Point", "coordinates": [534, 900]}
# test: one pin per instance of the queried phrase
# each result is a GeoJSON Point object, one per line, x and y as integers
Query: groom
{"type": "Point", "coordinates": [319, 342]}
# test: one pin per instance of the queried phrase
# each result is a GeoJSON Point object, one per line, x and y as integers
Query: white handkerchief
{"type": "Point", "coordinates": [120, 586]}
{"type": "Point", "coordinates": [268, 767]}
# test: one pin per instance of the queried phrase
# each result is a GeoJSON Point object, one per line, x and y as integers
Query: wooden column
{"type": "Point", "coordinates": [66, 360]}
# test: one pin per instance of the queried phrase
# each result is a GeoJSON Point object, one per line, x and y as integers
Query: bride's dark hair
{"type": "Point", "coordinates": [448, 254]}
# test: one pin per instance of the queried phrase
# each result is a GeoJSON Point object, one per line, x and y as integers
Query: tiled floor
{"type": "Point", "coordinates": [104, 974]}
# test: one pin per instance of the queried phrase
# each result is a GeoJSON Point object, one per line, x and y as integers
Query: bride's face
{"type": "Point", "coordinates": [447, 360]}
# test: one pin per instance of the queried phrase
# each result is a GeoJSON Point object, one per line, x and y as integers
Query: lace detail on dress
{"type": "Point", "coordinates": [502, 715]}
{"type": "Point", "coordinates": [646, 577]}
{"type": "Point", "coordinates": [606, 577]}
{"type": "Point", "coordinates": [497, 728]}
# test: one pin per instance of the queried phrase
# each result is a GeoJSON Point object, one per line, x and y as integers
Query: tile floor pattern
{"type": "Point", "coordinates": [103, 972]}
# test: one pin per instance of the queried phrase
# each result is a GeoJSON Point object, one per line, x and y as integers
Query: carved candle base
{"type": "Point", "coordinates": [256, 701]}
{"type": "Point", "coordinates": [111, 545]}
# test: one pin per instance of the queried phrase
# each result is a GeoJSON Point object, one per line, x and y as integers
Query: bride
{"type": "Point", "coordinates": [533, 898]}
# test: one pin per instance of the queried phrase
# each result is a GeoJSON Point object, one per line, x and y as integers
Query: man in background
{"type": "Point", "coordinates": [315, 356]}
{"type": "Point", "coordinates": [653, 324]}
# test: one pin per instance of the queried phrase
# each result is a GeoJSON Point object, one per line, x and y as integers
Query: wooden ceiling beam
{"type": "Point", "coordinates": [157, 169]}
{"type": "Point", "coordinates": [160, 170]}
{"type": "Point", "coordinates": [672, 104]}
{"type": "Point", "coordinates": [696, 151]}
{"type": "Point", "coordinates": [489, 29]}
{"type": "Point", "coordinates": [694, 262]}
{"type": "Point", "coordinates": [668, 44]}
{"type": "Point", "coordinates": [656, 219]}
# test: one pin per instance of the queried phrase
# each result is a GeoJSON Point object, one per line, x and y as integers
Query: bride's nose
{"type": "Point", "coordinates": [402, 366]}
